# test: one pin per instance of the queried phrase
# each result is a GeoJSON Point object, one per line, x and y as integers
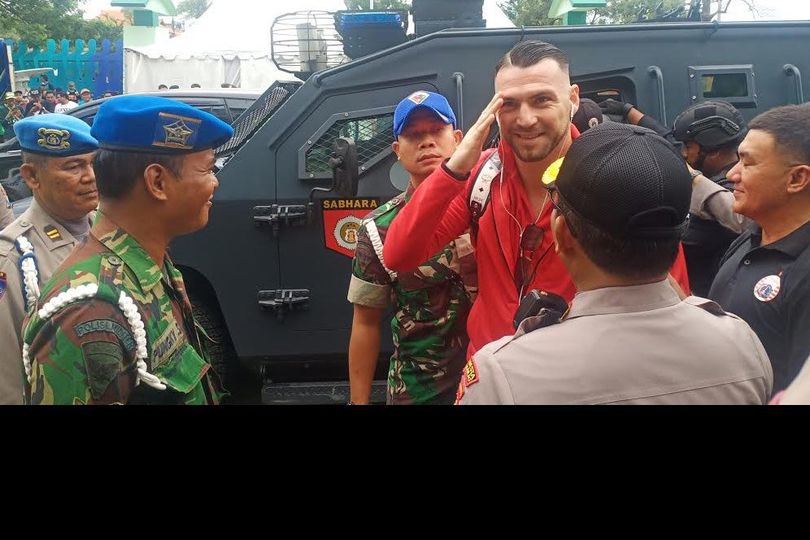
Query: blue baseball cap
{"type": "Point", "coordinates": [157, 125]}
{"type": "Point", "coordinates": [436, 103]}
{"type": "Point", "coordinates": [55, 135]}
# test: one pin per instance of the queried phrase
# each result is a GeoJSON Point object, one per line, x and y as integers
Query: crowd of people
{"type": "Point", "coordinates": [44, 99]}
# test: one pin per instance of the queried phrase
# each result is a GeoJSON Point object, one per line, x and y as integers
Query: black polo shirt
{"type": "Point", "coordinates": [769, 288]}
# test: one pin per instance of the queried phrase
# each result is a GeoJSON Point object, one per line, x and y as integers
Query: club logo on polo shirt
{"type": "Point", "coordinates": [53, 139]}
{"type": "Point", "coordinates": [767, 288]}
{"type": "Point", "coordinates": [175, 131]}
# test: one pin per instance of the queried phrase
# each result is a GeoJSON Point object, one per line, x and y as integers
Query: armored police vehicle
{"type": "Point", "coordinates": [269, 274]}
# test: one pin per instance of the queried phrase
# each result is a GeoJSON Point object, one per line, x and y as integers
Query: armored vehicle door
{"type": "Point", "coordinates": [316, 258]}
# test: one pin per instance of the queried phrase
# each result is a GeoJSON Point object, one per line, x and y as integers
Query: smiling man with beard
{"type": "Point", "coordinates": [114, 324]}
{"type": "Point", "coordinates": [57, 166]}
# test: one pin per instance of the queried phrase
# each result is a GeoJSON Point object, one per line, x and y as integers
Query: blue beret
{"type": "Point", "coordinates": [157, 125]}
{"type": "Point", "coordinates": [55, 135]}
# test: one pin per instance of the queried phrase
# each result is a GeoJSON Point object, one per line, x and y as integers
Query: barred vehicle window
{"type": "Point", "coordinates": [372, 135]}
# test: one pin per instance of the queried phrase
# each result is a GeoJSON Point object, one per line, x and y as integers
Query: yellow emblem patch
{"type": "Point", "coordinates": [470, 373]}
{"type": "Point", "coordinates": [53, 139]}
{"type": "Point", "coordinates": [52, 233]}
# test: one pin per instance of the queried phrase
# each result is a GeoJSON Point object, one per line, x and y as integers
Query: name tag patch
{"type": "Point", "coordinates": [167, 344]}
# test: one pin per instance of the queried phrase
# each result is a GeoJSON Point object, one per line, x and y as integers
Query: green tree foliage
{"type": "Point", "coordinates": [37, 20]}
{"type": "Point", "coordinates": [535, 12]}
{"type": "Point", "coordinates": [629, 11]}
{"type": "Point", "coordinates": [193, 9]}
{"type": "Point", "coordinates": [378, 4]}
{"type": "Point", "coordinates": [527, 12]}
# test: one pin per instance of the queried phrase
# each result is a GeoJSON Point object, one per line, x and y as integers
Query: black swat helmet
{"type": "Point", "coordinates": [711, 124]}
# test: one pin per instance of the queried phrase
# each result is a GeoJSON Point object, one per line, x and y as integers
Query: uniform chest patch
{"type": "Point", "coordinates": [167, 344]}
{"type": "Point", "coordinates": [3, 284]}
{"type": "Point", "coordinates": [767, 288]}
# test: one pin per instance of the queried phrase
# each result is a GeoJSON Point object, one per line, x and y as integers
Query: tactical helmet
{"type": "Point", "coordinates": [711, 124]}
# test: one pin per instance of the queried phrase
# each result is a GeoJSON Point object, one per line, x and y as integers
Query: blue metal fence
{"type": "Point", "coordinates": [101, 69]}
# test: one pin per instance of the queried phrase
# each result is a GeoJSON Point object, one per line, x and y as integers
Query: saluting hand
{"type": "Point", "coordinates": [469, 151]}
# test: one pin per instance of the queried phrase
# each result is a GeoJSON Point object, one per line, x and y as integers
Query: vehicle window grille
{"type": "Point", "coordinates": [261, 111]}
{"type": "Point", "coordinates": [372, 135]}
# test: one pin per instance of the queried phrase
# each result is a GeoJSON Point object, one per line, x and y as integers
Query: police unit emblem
{"type": "Point", "coordinates": [341, 222]}
{"type": "Point", "coordinates": [346, 232]}
{"type": "Point", "coordinates": [418, 97]}
{"type": "Point", "coordinates": [53, 139]}
{"type": "Point", "coordinates": [767, 288]}
{"type": "Point", "coordinates": [3, 284]}
{"type": "Point", "coordinates": [175, 131]}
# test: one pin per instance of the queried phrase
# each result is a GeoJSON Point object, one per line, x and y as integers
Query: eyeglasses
{"type": "Point", "coordinates": [531, 237]}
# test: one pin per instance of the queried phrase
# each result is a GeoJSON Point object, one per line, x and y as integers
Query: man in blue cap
{"type": "Point", "coordinates": [114, 324]}
{"type": "Point", "coordinates": [57, 153]}
{"type": "Point", "coordinates": [431, 302]}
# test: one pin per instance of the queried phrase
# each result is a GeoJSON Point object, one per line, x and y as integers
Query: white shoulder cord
{"type": "Point", "coordinates": [130, 311]}
{"type": "Point", "coordinates": [29, 270]}
{"type": "Point", "coordinates": [376, 242]}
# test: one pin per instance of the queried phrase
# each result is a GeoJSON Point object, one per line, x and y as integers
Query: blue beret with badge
{"type": "Point", "coordinates": [157, 125]}
{"type": "Point", "coordinates": [55, 135]}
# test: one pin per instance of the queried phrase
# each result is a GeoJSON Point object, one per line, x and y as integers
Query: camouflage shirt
{"type": "Point", "coordinates": [85, 352]}
{"type": "Point", "coordinates": [431, 303]}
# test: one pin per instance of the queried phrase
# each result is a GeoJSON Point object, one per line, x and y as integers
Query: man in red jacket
{"type": "Point", "coordinates": [533, 105]}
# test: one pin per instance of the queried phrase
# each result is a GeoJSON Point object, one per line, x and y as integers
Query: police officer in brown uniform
{"type": "Point", "coordinates": [621, 202]}
{"type": "Point", "coordinates": [6, 215]}
{"type": "Point", "coordinates": [57, 155]}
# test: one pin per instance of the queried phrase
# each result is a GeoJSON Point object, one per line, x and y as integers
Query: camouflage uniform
{"type": "Point", "coordinates": [86, 351]}
{"type": "Point", "coordinates": [432, 303]}
{"type": "Point", "coordinates": [11, 114]}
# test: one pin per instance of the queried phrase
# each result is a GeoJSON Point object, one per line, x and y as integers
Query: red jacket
{"type": "Point", "coordinates": [438, 212]}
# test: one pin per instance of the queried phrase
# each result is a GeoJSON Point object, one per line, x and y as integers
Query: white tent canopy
{"type": "Point", "coordinates": [230, 43]}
